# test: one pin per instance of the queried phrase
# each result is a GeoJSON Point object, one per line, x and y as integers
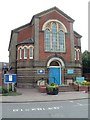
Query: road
{"type": "Point", "coordinates": [54, 109]}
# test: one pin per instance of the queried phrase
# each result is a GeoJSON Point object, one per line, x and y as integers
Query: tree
{"type": "Point", "coordinates": [86, 61]}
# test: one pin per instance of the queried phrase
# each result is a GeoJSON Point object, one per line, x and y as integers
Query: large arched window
{"type": "Point", "coordinates": [54, 36]}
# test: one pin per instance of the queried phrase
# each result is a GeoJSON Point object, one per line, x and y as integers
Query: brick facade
{"type": "Point", "coordinates": [32, 34]}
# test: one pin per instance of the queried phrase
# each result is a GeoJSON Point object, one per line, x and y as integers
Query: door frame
{"type": "Point", "coordinates": [60, 62]}
{"type": "Point", "coordinates": [60, 72]}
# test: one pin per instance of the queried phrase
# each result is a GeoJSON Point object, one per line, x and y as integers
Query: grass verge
{"type": "Point", "coordinates": [11, 94]}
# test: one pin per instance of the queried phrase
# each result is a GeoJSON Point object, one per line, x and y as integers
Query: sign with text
{"type": "Point", "coordinates": [80, 79]}
{"type": "Point", "coordinates": [10, 78]}
{"type": "Point", "coordinates": [70, 71]}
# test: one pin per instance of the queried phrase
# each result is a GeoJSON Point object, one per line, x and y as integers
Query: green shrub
{"type": "Point", "coordinates": [83, 83]}
{"type": "Point", "coordinates": [52, 88]}
{"type": "Point", "coordinates": [0, 89]}
{"type": "Point", "coordinates": [4, 89]}
{"type": "Point", "coordinates": [52, 84]}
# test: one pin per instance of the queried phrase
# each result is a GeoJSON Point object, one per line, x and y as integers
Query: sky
{"type": "Point", "coordinates": [15, 13]}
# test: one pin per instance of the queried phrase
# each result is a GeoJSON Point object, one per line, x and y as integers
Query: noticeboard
{"type": "Point", "coordinates": [80, 79]}
{"type": "Point", "coordinates": [70, 71]}
{"type": "Point", "coordinates": [10, 78]}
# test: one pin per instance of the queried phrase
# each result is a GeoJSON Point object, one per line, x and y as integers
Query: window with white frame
{"type": "Point", "coordinates": [20, 53]}
{"type": "Point", "coordinates": [25, 52]}
{"type": "Point", "coordinates": [75, 54]}
{"type": "Point", "coordinates": [47, 40]}
{"type": "Point", "coordinates": [31, 52]}
{"type": "Point", "coordinates": [78, 54]}
{"type": "Point", "coordinates": [54, 36]}
{"type": "Point", "coordinates": [61, 40]}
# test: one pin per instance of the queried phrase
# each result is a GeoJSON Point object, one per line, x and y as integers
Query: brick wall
{"type": "Point", "coordinates": [26, 33]}
{"type": "Point", "coordinates": [44, 55]}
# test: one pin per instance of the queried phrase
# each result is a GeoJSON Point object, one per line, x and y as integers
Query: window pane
{"type": "Point", "coordinates": [20, 53]}
{"type": "Point", "coordinates": [54, 36]}
{"type": "Point", "coordinates": [47, 40]}
{"type": "Point", "coordinates": [61, 41]}
{"type": "Point", "coordinates": [31, 52]}
{"type": "Point", "coordinates": [25, 52]}
{"type": "Point", "coordinates": [75, 54]}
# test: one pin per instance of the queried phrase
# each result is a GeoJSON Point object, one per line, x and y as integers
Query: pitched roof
{"type": "Point", "coordinates": [77, 34]}
{"type": "Point", "coordinates": [38, 15]}
{"type": "Point", "coordinates": [27, 41]}
{"type": "Point", "coordinates": [43, 13]}
{"type": "Point", "coordinates": [54, 9]}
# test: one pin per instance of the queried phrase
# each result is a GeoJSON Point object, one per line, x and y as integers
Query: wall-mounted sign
{"type": "Point", "coordinates": [80, 79]}
{"type": "Point", "coordinates": [70, 71]}
{"type": "Point", "coordinates": [10, 78]}
{"type": "Point", "coordinates": [40, 71]}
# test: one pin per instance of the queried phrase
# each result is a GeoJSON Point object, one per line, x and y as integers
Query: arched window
{"type": "Point", "coordinates": [25, 53]}
{"type": "Point", "coordinates": [20, 53]}
{"type": "Point", "coordinates": [75, 54]}
{"type": "Point", "coordinates": [31, 52]}
{"type": "Point", "coordinates": [54, 36]}
{"type": "Point", "coordinates": [47, 40]}
{"type": "Point", "coordinates": [78, 54]}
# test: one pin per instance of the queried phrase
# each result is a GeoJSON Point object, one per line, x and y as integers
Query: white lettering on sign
{"type": "Point", "coordinates": [10, 77]}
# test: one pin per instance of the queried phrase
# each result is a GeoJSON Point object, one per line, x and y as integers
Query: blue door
{"type": "Point", "coordinates": [54, 75]}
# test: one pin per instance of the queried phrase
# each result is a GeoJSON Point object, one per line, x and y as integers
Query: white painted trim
{"type": "Point", "coordinates": [25, 46]}
{"type": "Point", "coordinates": [54, 67]}
{"type": "Point", "coordinates": [56, 59]}
{"type": "Point", "coordinates": [60, 62]}
{"type": "Point", "coordinates": [31, 51]}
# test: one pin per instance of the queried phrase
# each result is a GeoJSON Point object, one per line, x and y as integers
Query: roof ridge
{"type": "Point", "coordinates": [53, 8]}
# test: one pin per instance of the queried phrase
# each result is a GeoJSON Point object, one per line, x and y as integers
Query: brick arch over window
{"type": "Point", "coordinates": [25, 52]}
{"type": "Point", "coordinates": [58, 60]}
{"type": "Point", "coordinates": [54, 36]}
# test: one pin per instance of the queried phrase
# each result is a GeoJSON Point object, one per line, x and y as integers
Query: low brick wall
{"type": "Point", "coordinates": [62, 88]}
{"type": "Point", "coordinates": [84, 88]}
{"type": "Point", "coordinates": [65, 88]}
{"type": "Point", "coordinates": [42, 89]}
{"type": "Point", "coordinates": [80, 88]}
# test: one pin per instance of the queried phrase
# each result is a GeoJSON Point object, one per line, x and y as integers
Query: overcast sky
{"type": "Point", "coordinates": [15, 13]}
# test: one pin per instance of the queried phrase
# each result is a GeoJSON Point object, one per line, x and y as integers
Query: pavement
{"type": "Point", "coordinates": [33, 95]}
